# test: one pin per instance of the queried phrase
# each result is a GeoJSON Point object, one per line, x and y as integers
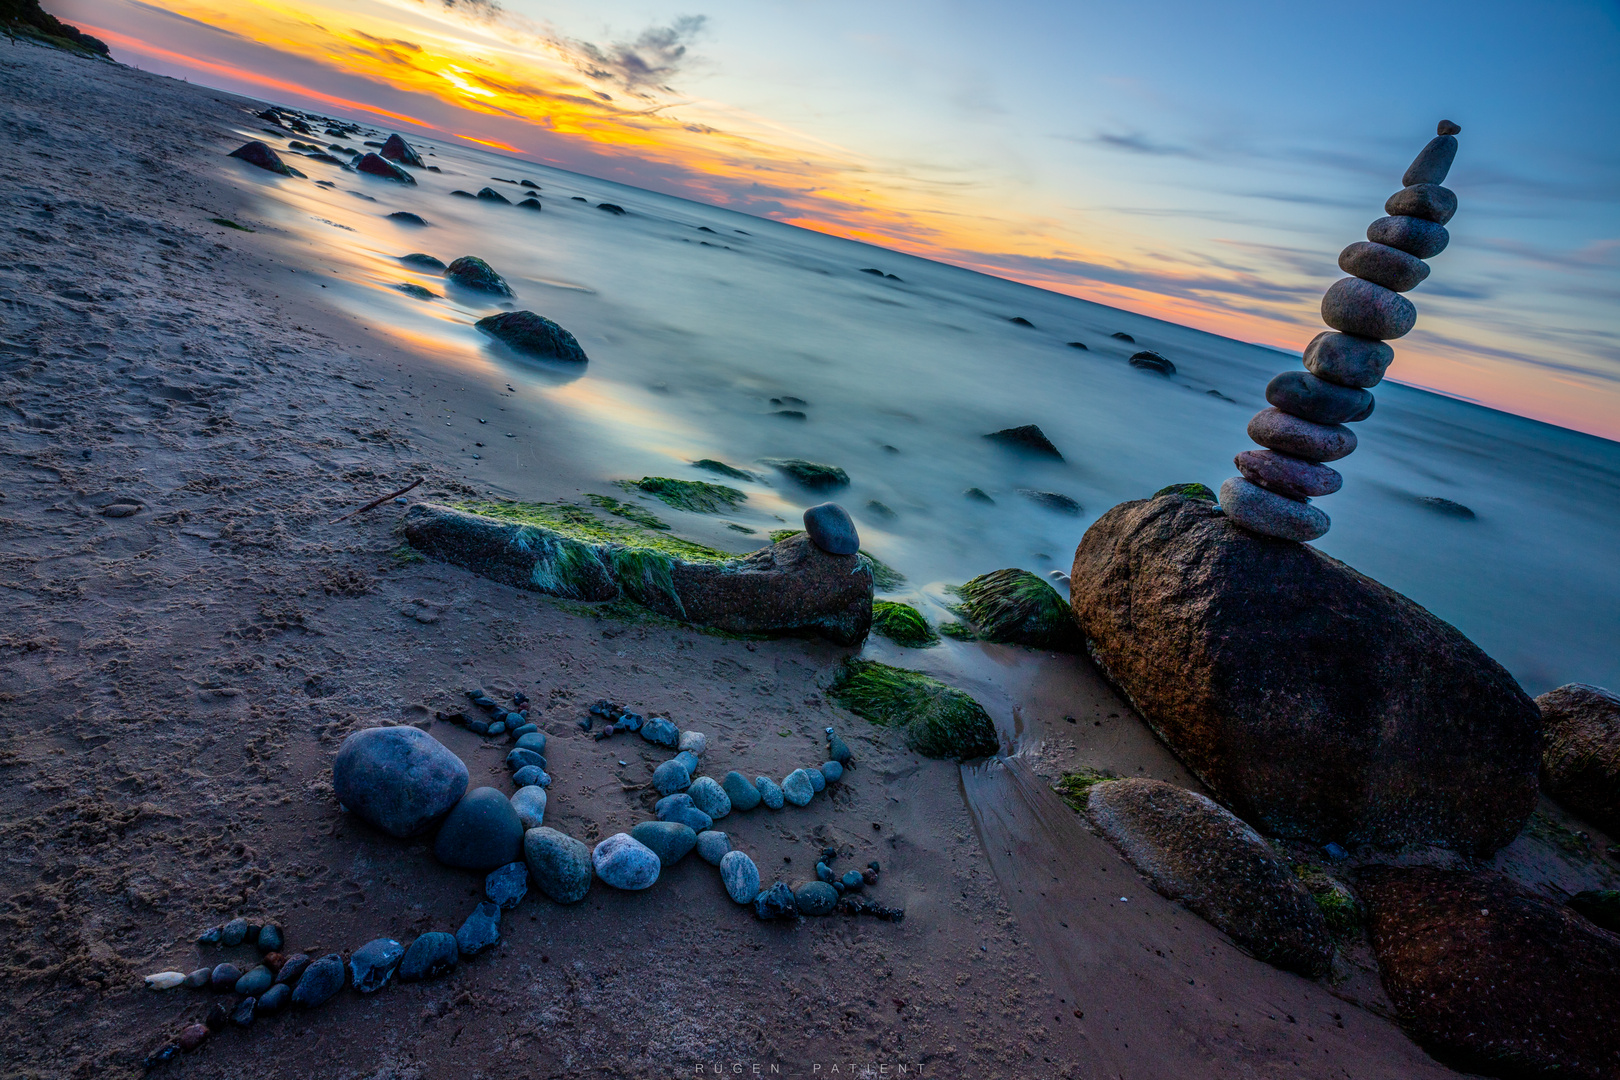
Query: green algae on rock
{"type": "Point", "coordinates": [939, 721]}
{"type": "Point", "coordinates": [722, 468]}
{"type": "Point", "coordinates": [1192, 491]}
{"type": "Point", "coordinates": [1074, 787]}
{"type": "Point", "coordinates": [522, 330]}
{"type": "Point", "coordinates": [628, 511]}
{"type": "Point", "coordinates": [696, 496]}
{"type": "Point", "coordinates": [902, 624]}
{"type": "Point", "coordinates": [811, 474]}
{"type": "Point", "coordinates": [1017, 607]}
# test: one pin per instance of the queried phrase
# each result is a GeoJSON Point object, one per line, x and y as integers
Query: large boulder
{"type": "Point", "coordinates": [482, 833]}
{"type": "Point", "coordinates": [533, 334]}
{"type": "Point", "coordinates": [1316, 703]}
{"type": "Point", "coordinates": [1580, 763]}
{"type": "Point", "coordinates": [397, 149]}
{"type": "Point", "coordinates": [1201, 855]}
{"type": "Point", "coordinates": [260, 154]}
{"type": "Point", "coordinates": [400, 779]}
{"type": "Point", "coordinates": [375, 165]}
{"type": "Point", "coordinates": [1492, 979]}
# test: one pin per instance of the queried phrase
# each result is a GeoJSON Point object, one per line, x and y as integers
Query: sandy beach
{"type": "Point", "coordinates": [189, 634]}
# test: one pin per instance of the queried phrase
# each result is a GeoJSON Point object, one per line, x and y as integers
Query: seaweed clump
{"type": "Point", "coordinates": [902, 624]}
{"type": "Point", "coordinates": [695, 496]}
{"type": "Point", "coordinates": [1191, 491]}
{"type": "Point", "coordinates": [811, 474]}
{"type": "Point", "coordinates": [939, 721]}
{"type": "Point", "coordinates": [629, 511]}
{"type": "Point", "coordinates": [575, 522]}
{"type": "Point", "coordinates": [1016, 606]}
{"type": "Point", "coordinates": [884, 576]}
{"type": "Point", "coordinates": [1075, 787]}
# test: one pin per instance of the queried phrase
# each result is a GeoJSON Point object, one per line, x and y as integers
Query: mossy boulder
{"type": "Point", "coordinates": [1017, 607]}
{"type": "Point", "coordinates": [939, 721]}
{"type": "Point", "coordinates": [471, 272]}
{"type": "Point", "coordinates": [902, 624]}
{"type": "Point", "coordinates": [1580, 758]}
{"type": "Point", "coordinates": [1192, 491]}
{"type": "Point", "coordinates": [812, 474]}
{"type": "Point", "coordinates": [533, 334]}
{"type": "Point", "coordinates": [563, 550]}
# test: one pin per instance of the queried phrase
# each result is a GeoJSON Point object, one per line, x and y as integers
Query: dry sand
{"type": "Point", "coordinates": [173, 685]}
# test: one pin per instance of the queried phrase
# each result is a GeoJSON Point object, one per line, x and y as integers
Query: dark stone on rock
{"type": "Point", "coordinates": [1200, 855]}
{"type": "Point", "coordinates": [430, 955]}
{"type": "Point", "coordinates": [1580, 759]}
{"type": "Point", "coordinates": [1348, 360]}
{"type": "Point", "coordinates": [1027, 437]}
{"type": "Point", "coordinates": [815, 898]}
{"type": "Point", "coordinates": [1359, 307]}
{"type": "Point", "coordinates": [1433, 161]}
{"type": "Point", "coordinates": [740, 790]}
{"type": "Point", "coordinates": [1310, 397]}
{"type": "Point", "coordinates": [669, 840]}
{"type": "Point", "coordinates": [258, 153]}
{"type": "Point", "coordinates": [222, 980]}
{"type": "Point", "coordinates": [560, 864]}
{"type": "Point", "coordinates": [397, 149]}
{"type": "Point", "coordinates": [1383, 265]}
{"type": "Point", "coordinates": [373, 964]}
{"type": "Point", "coordinates": [481, 930]}
{"type": "Point", "coordinates": [320, 980]}
{"type": "Point", "coordinates": [1315, 702]}
{"type": "Point", "coordinates": [612, 208]}
{"type": "Point", "coordinates": [275, 999]}
{"type": "Point", "coordinates": [829, 527]}
{"type": "Point", "coordinates": [426, 262]}
{"type": "Point", "coordinates": [777, 902]}
{"type": "Point", "coordinates": [292, 967]}
{"type": "Point", "coordinates": [1148, 360]}
{"type": "Point", "coordinates": [1276, 430]}
{"type": "Point", "coordinates": [399, 779]}
{"type": "Point", "coordinates": [1492, 979]}
{"type": "Point", "coordinates": [481, 833]}
{"type": "Point", "coordinates": [233, 933]}
{"type": "Point", "coordinates": [471, 272]}
{"type": "Point", "coordinates": [1415, 236]}
{"type": "Point", "coordinates": [1294, 477]}
{"type": "Point", "coordinates": [458, 193]}
{"type": "Point", "coordinates": [1121, 335]}
{"type": "Point", "coordinates": [405, 217]}
{"type": "Point", "coordinates": [533, 334]}
{"type": "Point", "coordinates": [270, 938]}
{"type": "Point", "coordinates": [1431, 202]}
{"type": "Point", "coordinates": [489, 194]}
{"type": "Point", "coordinates": [255, 982]}
{"type": "Point", "coordinates": [507, 886]}
{"type": "Point", "coordinates": [376, 165]}
{"type": "Point", "coordinates": [1268, 513]}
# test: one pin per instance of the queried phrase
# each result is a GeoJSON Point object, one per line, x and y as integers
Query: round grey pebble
{"type": "Point", "coordinates": [234, 932]}
{"type": "Point", "coordinates": [817, 780]}
{"type": "Point", "coordinates": [740, 876]}
{"type": "Point", "coordinates": [1415, 236]}
{"type": "Point", "coordinates": [688, 815]}
{"type": "Point", "coordinates": [481, 930]}
{"type": "Point", "coordinates": [832, 772]}
{"type": "Point", "coordinates": [671, 776]}
{"type": "Point", "coordinates": [529, 803]}
{"type": "Point", "coordinates": [1359, 307]}
{"type": "Point", "coordinates": [694, 741]}
{"type": "Point", "coordinates": [712, 846]}
{"type": "Point", "coordinates": [275, 999]}
{"type": "Point", "coordinates": [815, 898]}
{"type": "Point", "coordinates": [532, 740]}
{"type": "Point", "coordinates": [270, 938]}
{"type": "Point", "coordinates": [292, 968]}
{"type": "Point", "coordinates": [796, 788]}
{"type": "Point", "coordinates": [1348, 360]}
{"type": "Point", "coordinates": [481, 833]}
{"type": "Point", "coordinates": [400, 779]}
{"type": "Point", "coordinates": [660, 731]}
{"type": "Point", "coordinates": [1309, 397]}
{"type": "Point", "coordinates": [560, 864]}
{"type": "Point", "coordinates": [689, 759]}
{"type": "Point", "coordinates": [430, 955]}
{"type": "Point", "coordinates": [520, 757]}
{"type": "Point", "coordinates": [1290, 476]}
{"type": "Point", "coordinates": [669, 840]}
{"type": "Point", "coordinates": [198, 979]}
{"type": "Point", "coordinates": [740, 790]}
{"type": "Point", "coordinates": [831, 529]}
{"type": "Point", "coordinates": [1276, 430]}
{"type": "Point", "coordinates": [531, 776]}
{"type": "Point", "coordinates": [1433, 161]}
{"type": "Point", "coordinates": [1383, 265]}
{"type": "Point", "coordinates": [770, 792]}
{"type": "Point", "coordinates": [373, 964]}
{"type": "Point", "coordinates": [255, 982]}
{"type": "Point", "coordinates": [506, 887]}
{"type": "Point", "coordinates": [320, 980]}
{"type": "Point", "coordinates": [624, 862]}
{"type": "Point", "coordinates": [1270, 514]}
{"type": "Point", "coordinates": [223, 978]}
{"type": "Point", "coordinates": [1431, 202]}
{"type": "Point", "coordinates": [710, 797]}
{"type": "Point", "coordinates": [852, 881]}
{"type": "Point", "coordinates": [836, 749]}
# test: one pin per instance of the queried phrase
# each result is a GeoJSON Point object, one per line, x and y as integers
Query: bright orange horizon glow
{"type": "Point", "coordinates": [497, 144]}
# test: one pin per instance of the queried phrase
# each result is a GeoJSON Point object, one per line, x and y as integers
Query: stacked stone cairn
{"type": "Point", "coordinates": [1305, 427]}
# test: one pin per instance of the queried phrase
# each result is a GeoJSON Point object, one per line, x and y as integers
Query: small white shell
{"type": "Point", "coordinates": [165, 980]}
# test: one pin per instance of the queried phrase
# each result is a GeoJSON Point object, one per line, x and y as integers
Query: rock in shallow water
{"type": "Point", "coordinates": [709, 797]}
{"type": "Point", "coordinates": [373, 964]}
{"type": "Point", "coordinates": [560, 864]}
{"type": "Point", "coordinates": [624, 862]}
{"type": "Point", "coordinates": [712, 846]}
{"type": "Point", "coordinates": [481, 833]}
{"type": "Point", "coordinates": [376, 165]}
{"type": "Point", "coordinates": [507, 886]}
{"type": "Point", "coordinates": [320, 980]}
{"type": "Point", "coordinates": [481, 930]}
{"type": "Point", "coordinates": [397, 149]}
{"type": "Point", "coordinates": [740, 876]}
{"type": "Point", "coordinates": [533, 334]}
{"type": "Point", "coordinates": [260, 154]}
{"type": "Point", "coordinates": [1580, 762]}
{"type": "Point", "coordinates": [471, 272]}
{"type": "Point", "coordinates": [429, 956]}
{"type": "Point", "coordinates": [400, 779]}
{"type": "Point", "coordinates": [740, 790]}
{"type": "Point", "coordinates": [1029, 437]}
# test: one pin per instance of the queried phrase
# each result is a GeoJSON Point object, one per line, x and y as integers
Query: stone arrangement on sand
{"type": "Point", "coordinates": [1305, 426]}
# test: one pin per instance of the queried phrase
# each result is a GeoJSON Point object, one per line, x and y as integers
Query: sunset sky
{"type": "Point", "coordinates": [1200, 163]}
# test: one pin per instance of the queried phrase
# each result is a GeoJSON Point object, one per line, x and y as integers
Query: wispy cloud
{"type": "Point", "coordinates": [1137, 143]}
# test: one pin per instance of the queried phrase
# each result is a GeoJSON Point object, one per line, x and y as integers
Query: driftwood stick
{"type": "Point", "coordinates": [374, 503]}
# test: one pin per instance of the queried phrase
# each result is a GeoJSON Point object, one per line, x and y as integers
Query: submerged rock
{"type": "Point", "coordinates": [471, 272]}
{"type": "Point", "coordinates": [811, 474]}
{"type": "Point", "coordinates": [533, 334]}
{"type": "Point", "coordinates": [423, 260]}
{"type": "Point", "coordinates": [400, 779]}
{"type": "Point", "coordinates": [1016, 606]}
{"type": "Point", "coordinates": [938, 721]}
{"type": "Point", "coordinates": [376, 165]}
{"type": "Point", "coordinates": [1580, 760]}
{"type": "Point", "coordinates": [1029, 438]}
{"type": "Point", "coordinates": [489, 194]}
{"type": "Point", "coordinates": [260, 154]}
{"type": "Point", "coordinates": [902, 624]}
{"type": "Point", "coordinates": [1198, 854]}
{"type": "Point", "coordinates": [1147, 360]}
{"type": "Point", "coordinates": [1316, 703]}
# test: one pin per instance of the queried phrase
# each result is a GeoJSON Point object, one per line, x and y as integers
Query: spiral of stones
{"type": "Point", "coordinates": [1306, 425]}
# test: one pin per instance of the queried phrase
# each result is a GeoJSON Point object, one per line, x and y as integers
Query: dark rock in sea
{"type": "Point", "coordinates": [1147, 360]}
{"type": "Point", "coordinates": [612, 208]}
{"type": "Point", "coordinates": [375, 165]}
{"type": "Point", "coordinates": [811, 474]}
{"type": "Point", "coordinates": [979, 495]}
{"type": "Point", "coordinates": [255, 981]}
{"type": "Point", "coordinates": [1310, 397]}
{"type": "Point", "coordinates": [222, 980]}
{"type": "Point", "coordinates": [722, 468]}
{"type": "Point", "coordinates": [430, 955]}
{"type": "Point", "coordinates": [1200, 855]}
{"type": "Point", "coordinates": [829, 527]}
{"type": "Point", "coordinates": [507, 886]}
{"type": "Point", "coordinates": [1019, 320]}
{"type": "Point", "coordinates": [1383, 265]}
{"type": "Point", "coordinates": [1026, 437]}
{"type": "Point", "coordinates": [1431, 202]}
{"type": "Point", "coordinates": [1294, 477]}
{"type": "Point", "coordinates": [1433, 162]}
{"type": "Point", "coordinates": [740, 790]}
{"type": "Point", "coordinates": [397, 149]}
{"type": "Point", "coordinates": [871, 270]}
{"type": "Point", "coordinates": [292, 967]}
{"type": "Point", "coordinates": [1316, 703]}
{"type": "Point", "coordinates": [939, 721]}
{"type": "Point", "coordinates": [533, 334]}
{"type": "Point", "coordinates": [578, 198]}
{"type": "Point", "coordinates": [424, 261]}
{"type": "Point", "coordinates": [481, 930]}
{"type": "Point", "coordinates": [1348, 360]}
{"type": "Point", "coordinates": [777, 902]}
{"type": "Point", "coordinates": [882, 510]}
{"type": "Point", "coordinates": [815, 898]}
{"type": "Point", "coordinates": [560, 864]}
{"type": "Point", "coordinates": [405, 217]}
{"type": "Point", "coordinates": [399, 779]}
{"type": "Point", "coordinates": [320, 980]}
{"type": "Point", "coordinates": [1446, 507]}
{"type": "Point", "coordinates": [669, 840]}
{"type": "Point", "coordinates": [626, 863]}
{"type": "Point", "coordinates": [1491, 978]}
{"type": "Point", "coordinates": [471, 272]}
{"type": "Point", "coordinates": [275, 999]}
{"type": "Point", "coordinates": [1078, 345]}
{"type": "Point", "coordinates": [1580, 760]}
{"type": "Point", "coordinates": [458, 193]}
{"type": "Point", "coordinates": [1017, 607]}
{"type": "Point", "coordinates": [1600, 907]}
{"type": "Point", "coordinates": [1415, 236]}
{"type": "Point", "coordinates": [1277, 430]}
{"type": "Point", "coordinates": [1359, 307]}
{"type": "Point", "coordinates": [1053, 501]}
{"type": "Point", "coordinates": [530, 204]}
{"type": "Point", "coordinates": [373, 964]}
{"type": "Point", "coordinates": [257, 153]}
{"type": "Point", "coordinates": [489, 194]}
{"type": "Point", "coordinates": [481, 833]}
{"type": "Point", "coordinates": [416, 291]}
{"type": "Point", "coordinates": [529, 184]}
{"type": "Point", "coordinates": [740, 877]}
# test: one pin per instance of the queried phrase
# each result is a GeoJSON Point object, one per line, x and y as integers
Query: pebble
{"type": "Point", "coordinates": [831, 529]}
{"type": "Point", "coordinates": [255, 982]}
{"type": "Point", "coordinates": [710, 797]}
{"type": "Point", "coordinates": [320, 980]}
{"type": "Point", "coordinates": [796, 788]}
{"type": "Point", "coordinates": [694, 741]}
{"type": "Point", "coordinates": [815, 898]}
{"type": "Point", "coordinates": [824, 873]}
{"type": "Point", "coordinates": [1383, 265]}
{"type": "Point", "coordinates": [292, 968]}
{"type": "Point", "coordinates": [817, 780]}
{"type": "Point", "coordinates": [742, 793]}
{"type": "Point", "coordinates": [481, 833]}
{"type": "Point", "coordinates": [275, 999]}
{"type": "Point", "coordinates": [1359, 307]}
{"type": "Point", "coordinates": [659, 731]}
{"type": "Point", "coordinates": [521, 758]}
{"type": "Point", "coordinates": [669, 802]}
{"type": "Point", "coordinates": [1433, 161]}
{"type": "Point", "coordinates": [223, 978]}
{"type": "Point", "coordinates": [524, 729]}
{"type": "Point", "coordinates": [669, 840]}
{"type": "Point", "coordinates": [507, 886]}
{"type": "Point", "coordinates": [192, 1036]}
{"type": "Point", "coordinates": [671, 776]}
{"type": "Point", "coordinates": [531, 776]}
{"type": "Point", "coordinates": [1270, 514]}
{"type": "Point", "coordinates": [534, 740]}
{"type": "Point", "coordinates": [1276, 430]}
{"type": "Point", "coordinates": [559, 864]}
{"type": "Point", "coordinates": [770, 792]}
{"type": "Point", "coordinates": [400, 779]}
{"type": "Point", "coordinates": [836, 750]}
{"type": "Point", "coordinates": [712, 846]}
{"type": "Point", "coordinates": [777, 902]}
{"type": "Point", "coordinates": [832, 772]}
{"type": "Point", "coordinates": [234, 932]}
{"type": "Point", "coordinates": [530, 804]}
{"type": "Point", "coordinates": [1348, 360]}
{"type": "Point", "coordinates": [1416, 237]}
{"type": "Point", "coordinates": [687, 815]}
{"type": "Point", "coordinates": [853, 881]}
{"type": "Point", "coordinates": [499, 726]}
{"type": "Point", "coordinates": [1431, 202]}
{"type": "Point", "coordinates": [430, 955]}
{"type": "Point", "coordinates": [1447, 127]}
{"type": "Point", "coordinates": [210, 936]}
{"type": "Point", "coordinates": [1309, 397]}
{"type": "Point", "coordinates": [217, 1017]}
{"type": "Point", "coordinates": [481, 930]}
{"type": "Point", "coordinates": [624, 862]}
{"type": "Point", "coordinates": [165, 980]}
{"type": "Point", "coordinates": [199, 978]}
{"type": "Point", "coordinates": [740, 876]}
{"type": "Point", "coordinates": [1294, 477]}
{"type": "Point", "coordinates": [271, 939]}
{"type": "Point", "coordinates": [629, 721]}
{"type": "Point", "coordinates": [373, 964]}
{"type": "Point", "coordinates": [689, 759]}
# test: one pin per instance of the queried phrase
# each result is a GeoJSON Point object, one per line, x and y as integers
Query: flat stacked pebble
{"type": "Point", "coordinates": [1305, 427]}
